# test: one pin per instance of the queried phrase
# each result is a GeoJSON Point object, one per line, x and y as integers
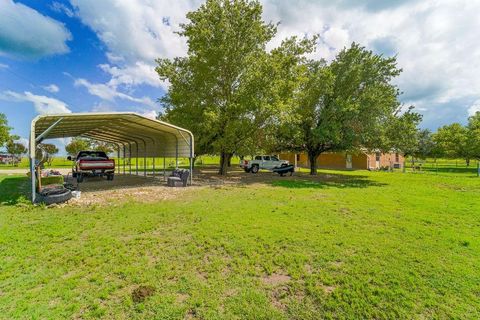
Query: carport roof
{"type": "Point", "coordinates": [130, 131]}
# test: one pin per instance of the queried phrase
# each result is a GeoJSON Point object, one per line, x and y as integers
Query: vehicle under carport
{"type": "Point", "coordinates": [135, 136]}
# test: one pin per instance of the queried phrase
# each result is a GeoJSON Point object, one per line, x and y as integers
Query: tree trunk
{"type": "Point", "coordinates": [468, 162]}
{"type": "Point", "coordinates": [223, 163]}
{"type": "Point", "coordinates": [229, 160]}
{"type": "Point", "coordinates": [312, 158]}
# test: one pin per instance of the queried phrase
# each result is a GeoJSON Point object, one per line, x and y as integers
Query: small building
{"type": "Point", "coordinates": [343, 160]}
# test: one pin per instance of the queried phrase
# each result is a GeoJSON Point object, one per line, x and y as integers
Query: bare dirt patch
{"type": "Point", "coordinates": [328, 289]}
{"type": "Point", "coordinates": [124, 188]}
{"type": "Point", "coordinates": [276, 279]}
{"type": "Point", "coordinates": [99, 191]}
{"type": "Point", "coordinates": [181, 297]}
{"type": "Point", "coordinates": [141, 293]}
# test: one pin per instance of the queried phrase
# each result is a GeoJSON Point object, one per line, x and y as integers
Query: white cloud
{"type": "Point", "coordinates": [474, 108]}
{"type": "Point", "coordinates": [134, 74]}
{"type": "Point", "coordinates": [42, 104]}
{"type": "Point", "coordinates": [3, 66]}
{"type": "Point", "coordinates": [110, 93]}
{"type": "Point", "coordinates": [62, 8]}
{"type": "Point", "coordinates": [26, 33]}
{"type": "Point", "coordinates": [435, 40]}
{"type": "Point", "coordinates": [51, 88]}
{"type": "Point", "coordinates": [136, 33]}
{"type": "Point", "coordinates": [102, 107]}
{"type": "Point", "coordinates": [151, 114]}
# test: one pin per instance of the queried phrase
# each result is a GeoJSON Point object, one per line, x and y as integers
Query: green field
{"type": "Point", "coordinates": [350, 245]}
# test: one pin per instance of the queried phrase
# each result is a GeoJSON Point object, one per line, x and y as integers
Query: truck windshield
{"type": "Point", "coordinates": [92, 154]}
{"type": "Point", "coordinates": [274, 158]}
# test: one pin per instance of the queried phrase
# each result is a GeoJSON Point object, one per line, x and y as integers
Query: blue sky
{"type": "Point", "coordinates": [90, 55]}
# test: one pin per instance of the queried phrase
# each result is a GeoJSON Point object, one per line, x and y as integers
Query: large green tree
{"type": "Point", "coordinates": [344, 105]}
{"type": "Point", "coordinates": [77, 145]}
{"type": "Point", "coordinates": [474, 135]}
{"type": "Point", "coordinates": [426, 145]}
{"type": "Point", "coordinates": [15, 148]}
{"type": "Point", "coordinates": [453, 141]}
{"type": "Point", "coordinates": [50, 149]}
{"type": "Point", "coordinates": [4, 130]}
{"type": "Point", "coordinates": [103, 146]}
{"type": "Point", "coordinates": [228, 87]}
{"type": "Point", "coordinates": [403, 135]}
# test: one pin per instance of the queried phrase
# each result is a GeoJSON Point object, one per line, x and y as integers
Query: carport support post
{"type": "Point", "coordinates": [32, 173]}
{"type": "Point", "coordinates": [153, 167]}
{"type": "Point", "coordinates": [124, 159]}
{"type": "Point", "coordinates": [191, 160]}
{"type": "Point", "coordinates": [164, 173]}
{"type": "Point", "coordinates": [176, 155]}
{"type": "Point", "coordinates": [129, 158]}
{"type": "Point", "coordinates": [118, 159]}
{"type": "Point", "coordinates": [145, 166]}
{"type": "Point", "coordinates": [136, 161]}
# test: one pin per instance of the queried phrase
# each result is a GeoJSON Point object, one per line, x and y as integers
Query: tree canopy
{"type": "Point", "coordinates": [15, 148]}
{"type": "Point", "coordinates": [453, 142]}
{"type": "Point", "coordinates": [4, 130]}
{"type": "Point", "coordinates": [77, 145]}
{"type": "Point", "coordinates": [347, 104]}
{"type": "Point", "coordinates": [50, 150]}
{"type": "Point", "coordinates": [228, 86]}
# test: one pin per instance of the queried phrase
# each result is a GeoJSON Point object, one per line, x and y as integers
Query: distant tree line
{"type": "Point", "coordinates": [10, 141]}
{"type": "Point", "coordinates": [80, 144]}
{"type": "Point", "coordinates": [453, 141]}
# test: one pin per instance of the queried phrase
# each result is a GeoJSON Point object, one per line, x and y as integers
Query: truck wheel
{"type": "Point", "coordinates": [79, 178]}
{"type": "Point", "coordinates": [255, 169]}
{"type": "Point", "coordinates": [247, 170]}
{"type": "Point", "coordinates": [110, 177]}
{"type": "Point", "coordinates": [74, 174]}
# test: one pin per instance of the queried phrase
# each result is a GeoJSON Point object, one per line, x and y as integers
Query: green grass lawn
{"type": "Point", "coordinates": [350, 245]}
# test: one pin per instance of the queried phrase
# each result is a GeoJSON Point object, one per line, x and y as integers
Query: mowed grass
{"type": "Point", "coordinates": [350, 245]}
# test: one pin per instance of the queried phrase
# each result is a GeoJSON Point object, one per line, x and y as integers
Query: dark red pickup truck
{"type": "Point", "coordinates": [92, 163]}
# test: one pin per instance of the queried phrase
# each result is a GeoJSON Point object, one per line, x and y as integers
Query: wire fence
{"type": "Point", "coordinates": [438, 166]}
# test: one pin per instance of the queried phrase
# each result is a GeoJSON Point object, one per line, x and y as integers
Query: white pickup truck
{"type": "Point", "coordinates": [262, 162]}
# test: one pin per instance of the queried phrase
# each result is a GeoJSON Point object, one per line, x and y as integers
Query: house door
{"type": "Point", "coordinates": [377, 160]}
{"type": "Point", "coordinates": [349, 161]}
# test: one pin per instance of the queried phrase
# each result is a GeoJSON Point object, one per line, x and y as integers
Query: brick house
{"type": "Point", "coordinates": [343, 160]}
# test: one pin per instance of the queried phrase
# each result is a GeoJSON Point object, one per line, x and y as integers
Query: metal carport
{"type": "Point", "coordinates": [134, 135]}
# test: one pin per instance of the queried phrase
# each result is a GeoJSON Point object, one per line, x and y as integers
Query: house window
{"type": "Point", "coordinates": [298, 156]}
{"type": "Point", "coordinates": [397, 157]}
{"type": "Point", "coordinates": [377, 156]}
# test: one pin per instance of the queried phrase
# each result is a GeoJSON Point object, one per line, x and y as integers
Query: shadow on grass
{"type": "Point", "coordinates": [207, 175]}
{"type": "Point", "coordinates": [14, 190]}
{"type": "Point", "coordinates": [328, 181]}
